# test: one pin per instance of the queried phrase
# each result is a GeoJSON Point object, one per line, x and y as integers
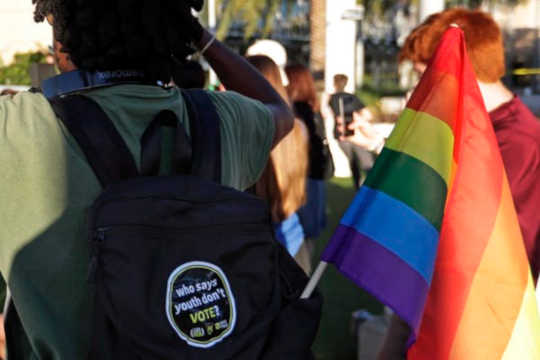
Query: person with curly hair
{"type": "Point", "coordinates": [47, 183]}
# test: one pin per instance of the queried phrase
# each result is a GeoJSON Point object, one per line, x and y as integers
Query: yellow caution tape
{"type": "Point", "coordinates": [525, 71]}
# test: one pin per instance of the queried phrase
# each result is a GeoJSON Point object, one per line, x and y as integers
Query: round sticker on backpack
{"type": "Point", "coordinates": [200, 305]}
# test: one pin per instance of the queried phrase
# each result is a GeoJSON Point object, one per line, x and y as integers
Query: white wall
{"type": "Point", "coordinates": [18, 31]}
{"type": "Point", "coordinates": [340, 43]}
{"type": "Point", "coordinates": [428, 7]}
{"type": "Point", "coordinates": [340, 59]}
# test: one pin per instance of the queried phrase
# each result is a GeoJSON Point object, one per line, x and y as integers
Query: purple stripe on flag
{"type": "Point", "coordinates": [380, 272]}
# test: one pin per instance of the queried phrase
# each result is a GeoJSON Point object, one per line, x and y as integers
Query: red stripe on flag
{"type": "Point", "coordinates": [432, 96]}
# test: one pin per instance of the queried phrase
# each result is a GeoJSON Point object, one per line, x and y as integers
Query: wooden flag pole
{"type": "Point", "coordinates": [314, 280]}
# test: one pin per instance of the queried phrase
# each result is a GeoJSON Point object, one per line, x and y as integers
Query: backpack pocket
{"type": "Point", "coordinates": [173, 294]}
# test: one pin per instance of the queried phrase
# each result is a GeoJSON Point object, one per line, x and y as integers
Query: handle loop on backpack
{"type": "Point", "coordinates": [151, 146]}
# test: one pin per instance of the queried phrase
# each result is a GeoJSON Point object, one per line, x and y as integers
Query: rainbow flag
{"type": "Point", "coordinates": [433, 232]}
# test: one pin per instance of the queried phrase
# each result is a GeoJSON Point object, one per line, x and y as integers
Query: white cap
{"type": "Point", "coordinates": [274, 51]}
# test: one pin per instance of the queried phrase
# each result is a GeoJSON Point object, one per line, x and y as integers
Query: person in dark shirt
{"type": "Point", "coordinates": [303, 95]}
{"type": "Point", "coordinates": [283, 181]}
{"type": "Point", "coordinates": [344, 106]}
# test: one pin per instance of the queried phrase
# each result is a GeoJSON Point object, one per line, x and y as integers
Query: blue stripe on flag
{"type": "Point", "coordinates": [395, 226]}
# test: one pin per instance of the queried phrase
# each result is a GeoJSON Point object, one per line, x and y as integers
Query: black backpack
{"type": "Point", "coordinates": [182, 267]}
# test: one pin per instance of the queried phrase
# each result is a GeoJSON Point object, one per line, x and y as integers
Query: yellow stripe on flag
{"type": "Point", "coordinates": [525, 341]}
{"type": "Point", "coordinates": [417, 134]}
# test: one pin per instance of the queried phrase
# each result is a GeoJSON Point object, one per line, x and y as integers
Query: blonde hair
{"type": "Point", "coordinates": [283, 181]}
{"type": "Point", "coordinates": [269, 69]}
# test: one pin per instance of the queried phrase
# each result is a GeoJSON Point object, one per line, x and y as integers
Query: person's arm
{"type": "Point", "coordinates": [2, 338]}
{"type": "Point", "coordinates": [240, 76]}
{"type": "Point", "coordinates": [365, 135]}
{"type": "Point", "coordinates": [3, 292]}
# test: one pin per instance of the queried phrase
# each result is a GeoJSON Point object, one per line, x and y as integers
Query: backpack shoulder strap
{"type": "Point", "coordinates": [205, 131]}
{"type": "Point", "coordinates": [104, 148]}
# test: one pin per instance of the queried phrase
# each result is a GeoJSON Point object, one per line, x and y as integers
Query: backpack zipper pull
{"type": "Point", "coordinates": [97, 241]}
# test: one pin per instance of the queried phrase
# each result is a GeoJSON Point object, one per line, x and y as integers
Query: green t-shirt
{"type": "Point", "coordinates": [47, 186]}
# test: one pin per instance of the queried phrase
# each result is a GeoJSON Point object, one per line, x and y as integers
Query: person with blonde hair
{"type": "Point", "coordinates": [283, 181]}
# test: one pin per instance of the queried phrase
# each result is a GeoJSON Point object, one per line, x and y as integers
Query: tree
{"type": "Point", "coordinates": [18, 72]}
{"type": "Point", "coordinates": [317, 20]}
{"type": "Point", "coordinates": [379, 7]}
{"type": "Point", "coordinates": [254, 14]}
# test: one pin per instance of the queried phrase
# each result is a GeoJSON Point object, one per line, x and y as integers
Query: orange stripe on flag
{"type": "Point", "coordinates": [439, 85]}
{"type": "Point", "coordinates": [497, 290]}
{"type": "Point", "coordinates": [432, 97]}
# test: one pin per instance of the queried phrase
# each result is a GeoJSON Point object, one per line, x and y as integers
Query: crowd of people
{"type": "Point", "coordinates": [273, 145]}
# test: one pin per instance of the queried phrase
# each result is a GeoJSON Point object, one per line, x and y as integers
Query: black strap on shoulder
{"type": "Point", "coordinates": [109, 156]}
{"type": "Point", "coordinates": [205, 135]}
{"type": "Point", "coordinates": [104, 148]}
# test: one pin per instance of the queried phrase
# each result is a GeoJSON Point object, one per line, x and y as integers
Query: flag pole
{"type": "Point", "coordinates": [314, 280]}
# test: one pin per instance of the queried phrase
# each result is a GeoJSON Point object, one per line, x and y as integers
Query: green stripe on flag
{"type": "Point", "coordinates": [425, 138]}
{"type": "Point", "coordinates": [410, 181]}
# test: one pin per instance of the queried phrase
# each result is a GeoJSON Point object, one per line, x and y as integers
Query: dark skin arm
{"type": "Point", "coordinates": [228, 65]}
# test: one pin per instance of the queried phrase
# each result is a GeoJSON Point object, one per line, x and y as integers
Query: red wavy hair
{"type": "Point", "coordinates": [302, 86]}
{"type": "Point", "coordinates": [483, 39]}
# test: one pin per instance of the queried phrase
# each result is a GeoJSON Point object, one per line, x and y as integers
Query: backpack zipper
{"type": "Point", "coordinates": [95, 248]}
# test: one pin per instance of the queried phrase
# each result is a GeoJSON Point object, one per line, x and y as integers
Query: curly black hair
{"type": "Point", "coordinates": [147, 35]}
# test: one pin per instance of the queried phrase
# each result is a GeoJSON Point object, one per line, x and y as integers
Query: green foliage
{"type": "Point", "coordinates": [18, 72]}
{"type": "Point", "coordinates": [378, 7]}
{"type": "Point", "coordinates": [259, 15]}
{"type": "Point", "coordinates": [256, 15]}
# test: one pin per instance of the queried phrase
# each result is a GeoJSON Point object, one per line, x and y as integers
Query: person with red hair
{"type": "Point", "coordinates": [283, 181]}
{"type": "Point", "coordinates": [517, 130]}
